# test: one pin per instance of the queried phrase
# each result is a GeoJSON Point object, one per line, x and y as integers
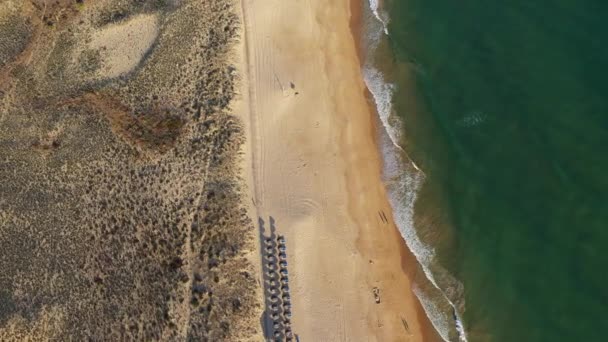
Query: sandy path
{"type": "Point", "coordinates": [316, 171]}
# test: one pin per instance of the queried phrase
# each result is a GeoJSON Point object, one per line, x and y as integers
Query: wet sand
{"type": "Point", "coordinates": [316, 170]}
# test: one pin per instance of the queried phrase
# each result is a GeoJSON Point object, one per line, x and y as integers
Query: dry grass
{"type": "Point", "coordinates": [121, 215]}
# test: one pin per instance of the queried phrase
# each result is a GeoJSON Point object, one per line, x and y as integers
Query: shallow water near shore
{"type": "Point", "coordinates": [503, 108]}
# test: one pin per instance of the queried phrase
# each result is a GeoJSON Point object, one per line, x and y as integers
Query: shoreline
{"type": "Point", "coordinates": [313, 144]}
{"type": "Point", "coordinates": [408, 261]}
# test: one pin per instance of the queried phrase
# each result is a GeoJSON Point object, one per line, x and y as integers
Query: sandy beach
{"type": "Point", "coordinates": [139, 170]}
{"type": "Point", "coordinates": [316, 171]}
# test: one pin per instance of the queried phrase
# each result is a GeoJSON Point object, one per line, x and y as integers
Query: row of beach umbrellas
{"type": "Point", "coordinates": [278, 287]}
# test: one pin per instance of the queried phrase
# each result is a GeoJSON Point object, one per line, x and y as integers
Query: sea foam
{"type": "Point", "coordinates": [383, 19]}
{"type": "Point", "coordinates": [403, 185]}
{"type": "Point", "coordinates": [434, 313]}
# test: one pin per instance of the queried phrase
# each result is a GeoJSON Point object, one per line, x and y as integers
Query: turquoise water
{"type": "Point", "coordinates": [511, 128]}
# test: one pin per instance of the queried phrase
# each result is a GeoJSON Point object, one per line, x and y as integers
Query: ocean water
{"type": "Point", "coordinates": [496, 159]}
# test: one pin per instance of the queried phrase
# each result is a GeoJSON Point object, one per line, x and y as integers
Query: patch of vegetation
{"type": "Point", "coordinates": [123, 206]}
{"type": "Point", "coordinates": [15, 35]}
{"type": "Point", "coordinates": [90, 61]}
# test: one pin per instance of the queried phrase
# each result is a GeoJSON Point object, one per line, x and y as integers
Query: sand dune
{"type": "Point", "coordinates": [121, 216]}
{"type": "Point", "coordinates": [123, 45]}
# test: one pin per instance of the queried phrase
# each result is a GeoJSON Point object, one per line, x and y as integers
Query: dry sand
{"type": "Point", "coordinates": [123, 45]}
{"type": "Point", "coordinates": [316, 171]}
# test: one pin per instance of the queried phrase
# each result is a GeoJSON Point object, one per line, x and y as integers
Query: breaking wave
{"type": "Point", "coordinates": [403, 184]}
